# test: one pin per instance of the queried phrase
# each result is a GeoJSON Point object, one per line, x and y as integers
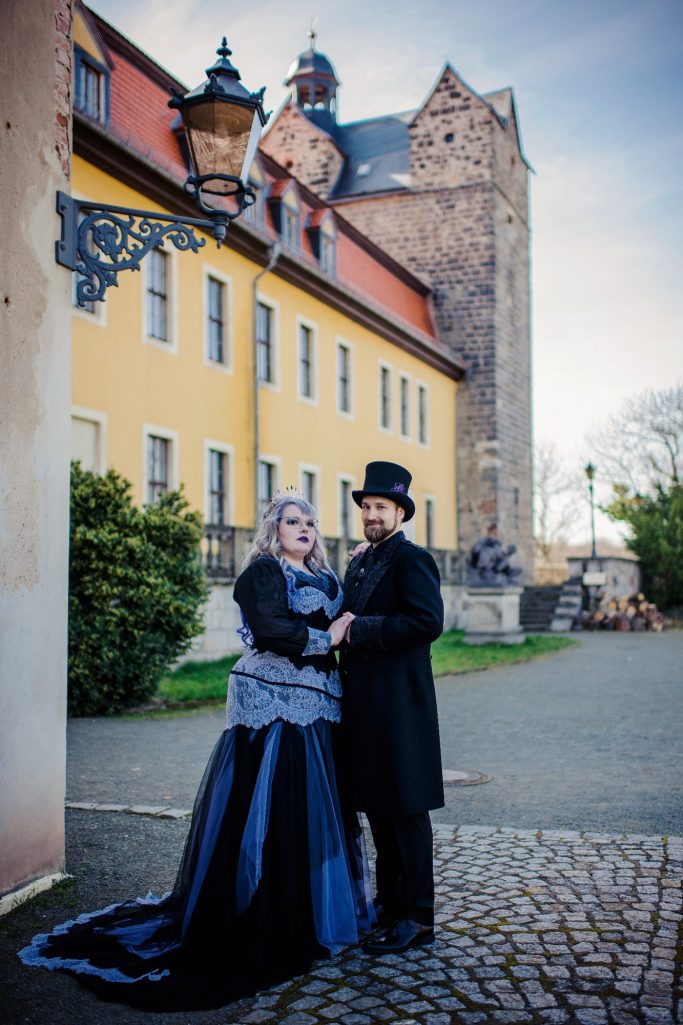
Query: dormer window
{"type": "Point", "coordinates": [323, 235]}
{"type": "Point", "coordinates": [92, 87]}
{"type": "Point", "coordinates": [290, 226]}
{"type": "Point", "coordinates": [254, 213]}
{"type": "Point", "coordinates": [328, 254]}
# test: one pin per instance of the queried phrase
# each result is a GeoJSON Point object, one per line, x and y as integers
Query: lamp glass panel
{"type": "Point", "coordinates": [219, 135]}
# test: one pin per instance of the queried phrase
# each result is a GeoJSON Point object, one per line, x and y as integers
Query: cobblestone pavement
{"type": "Point", "coordinates": [533, 926]}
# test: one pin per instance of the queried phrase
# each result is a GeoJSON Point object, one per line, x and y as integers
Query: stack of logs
{"type": "Point", "coordinates": [622, 614]}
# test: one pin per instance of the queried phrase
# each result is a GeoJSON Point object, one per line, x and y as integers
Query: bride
{"type": "Point", "coordinates": [273, 875]}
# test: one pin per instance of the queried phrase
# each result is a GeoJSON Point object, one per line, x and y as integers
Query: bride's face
{"type": "Point", "coordinates": [296, 532]}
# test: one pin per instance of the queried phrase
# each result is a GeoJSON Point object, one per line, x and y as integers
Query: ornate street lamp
{"type": "Point", "coordinates": [589, 470]}
{"type": "Point", "coordinates": [223, 122]}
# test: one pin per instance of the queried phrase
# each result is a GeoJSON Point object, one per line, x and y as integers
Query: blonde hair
{"type": "Point", "coordinates": [267, 540]}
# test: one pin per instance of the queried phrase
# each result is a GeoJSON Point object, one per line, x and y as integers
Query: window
{"type": "Point", "coordinates": [92, 82]}
{"type": "Point", "coordinates": [385, 397]}
{"type": "Point", "coordinates": [157, 295]}
{"type": "Point", "coordinates": [404, 386]}
{"type": "Point", "coordinates": [264, 342]}
{"type": "Point", "coordinates": [343, 378]}
{"type": "Point", "coordinates": [158, 466]}
{"type": "Point", "coordinates": [309, 486]}
{"type": "Point", "coordinates": [88, 438]}
{"type": "Point", "coordinates": [344, 508]}
{"type": "Point", "coordinates": [266, 482]}
{"type": "Point", "coordinates": [422, 413]}
{"type": "Point", "coordinates": [328, 254]}
{"type": "Point", "coordinates": [429, 522]}
{"type": "Point", "coordinates": [217, 479]}
{"type": "Point", "coordinates": [306, 362]}
{"type": "Point", "coordinates": [215, 326]}
{"type": "Point", "coordinates": [290, 227]}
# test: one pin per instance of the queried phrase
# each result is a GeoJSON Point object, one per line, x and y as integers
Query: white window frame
{"type": "Point", "coordinates": [171, 344]}
{"type": "Point", "coordinates": [422, 386]}
{"type": "Point", "coordinates": [99, 418]}
{"type": "Point", "coordinates": [276, 463]}
{"type": "Point", "coordinates": [209, 271]}
{"type": "Point", "coordinates": [344, 343]}
{"type": "Point", "coordinates": [383, 365]}
{"type": "Point", "coordinates": [156, 431]}
{"type": "Point", "coordinates": [315, 471]}
{"type": "Point", "coordinates": [311, 400]}
{"type": "Point", "coordinates": [430, 499]}
{"type": "Point", "coordinates": [228, 451]}
{"type": "Point", "coordinates": [274, 308]}
{"type": "Point", "coordinates": [344, 478]}
{"type": "Point", "coordinates": [404, 381]}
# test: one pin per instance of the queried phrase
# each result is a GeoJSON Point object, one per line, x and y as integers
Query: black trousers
{"type": "Point", "coordinates": [405, 868]}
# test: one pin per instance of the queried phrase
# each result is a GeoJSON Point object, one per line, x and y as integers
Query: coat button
{"type": "Point", "coordinates": [362, 572]}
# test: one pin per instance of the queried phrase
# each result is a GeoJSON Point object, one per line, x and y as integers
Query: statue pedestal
{"type": "Point", "coordinates": [493, 615]}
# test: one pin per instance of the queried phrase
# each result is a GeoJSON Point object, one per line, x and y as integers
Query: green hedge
{"type": "Point", "coordinates": [136, 591]}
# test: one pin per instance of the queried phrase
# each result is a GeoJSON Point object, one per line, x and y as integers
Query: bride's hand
{"type": "Point", "coordinates": [359, 549]}
{"type": "Point", "coordinates": [337, 630]}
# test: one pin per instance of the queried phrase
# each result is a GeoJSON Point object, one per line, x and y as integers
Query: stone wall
{"type": "Point", "coordinates": [35, 389]}
{"type": "Point", "coordinates": [303, 149]}
{"type": "Point", "coordinates": [463, 226]}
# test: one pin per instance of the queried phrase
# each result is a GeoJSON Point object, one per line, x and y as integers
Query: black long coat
{"type": "Point", "coordinates": [389, 739]}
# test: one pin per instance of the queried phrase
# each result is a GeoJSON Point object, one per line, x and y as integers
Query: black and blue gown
{"type": "Point", "coordinates": [274, 874]}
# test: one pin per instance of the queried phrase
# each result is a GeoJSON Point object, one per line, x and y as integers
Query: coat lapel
{"type": "Point", "coordinates": [370, 579]}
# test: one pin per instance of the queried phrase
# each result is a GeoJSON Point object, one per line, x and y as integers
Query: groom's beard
{"type": "Point", "coordinates": [376, 532]}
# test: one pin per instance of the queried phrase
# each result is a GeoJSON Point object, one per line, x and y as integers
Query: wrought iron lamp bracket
{"type": "Point", "coordinates": [99, 241]}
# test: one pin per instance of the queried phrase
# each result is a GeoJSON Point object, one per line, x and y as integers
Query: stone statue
{"type": "Point", "coordinates": [488, 564]}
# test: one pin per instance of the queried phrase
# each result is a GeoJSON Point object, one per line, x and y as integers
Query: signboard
{"type": "Point", "coordinates": [594, 579]}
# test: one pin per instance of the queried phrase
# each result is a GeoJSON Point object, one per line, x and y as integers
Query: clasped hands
{"type": "Point", "coordinates": [339, 629]}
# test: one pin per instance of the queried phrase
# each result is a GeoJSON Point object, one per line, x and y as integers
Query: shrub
{"type": "Point", "coordinates": [656, 537]}
{"type": "Point", "coordinates": [136, 589]}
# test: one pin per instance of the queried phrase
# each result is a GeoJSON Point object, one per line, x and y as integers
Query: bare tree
{"type": "Point", "coordinates": [642, 444]}
{"type": "Point", "coordinates": [555, 497]}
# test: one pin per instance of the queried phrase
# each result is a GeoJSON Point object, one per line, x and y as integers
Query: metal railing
{"type": "Point", "coordinates": [223, 548]}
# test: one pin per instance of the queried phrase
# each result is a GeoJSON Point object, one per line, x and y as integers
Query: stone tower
{"type": "Point", "coordinates": [444, 189]}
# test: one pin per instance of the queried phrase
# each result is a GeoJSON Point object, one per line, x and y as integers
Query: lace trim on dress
{"type": "Point", "coordinates": [319, 642]}
{"type": "Point", "coordinates": [299, 696]}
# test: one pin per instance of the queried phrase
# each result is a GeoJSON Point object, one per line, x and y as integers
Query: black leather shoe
{"type": "Point", "coordinates": [385, 918]}
{"type": "Point", "coordinates": [399, 937]}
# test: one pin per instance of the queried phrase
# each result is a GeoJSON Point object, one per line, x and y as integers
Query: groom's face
{"type": "Point", "coordinates": [381, 518]}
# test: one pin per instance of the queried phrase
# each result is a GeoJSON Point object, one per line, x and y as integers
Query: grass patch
{"type": "Point", "coordinates": [198, 684]}
{"type": "Point", "coordinates": [451, 655]}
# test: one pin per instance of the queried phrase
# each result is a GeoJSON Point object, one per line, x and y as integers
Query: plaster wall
{"type": "Point", "coordinates": [34, 440]}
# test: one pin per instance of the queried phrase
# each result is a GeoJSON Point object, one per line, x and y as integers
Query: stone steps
{"type": "Point", "coordinates": [537, 605]}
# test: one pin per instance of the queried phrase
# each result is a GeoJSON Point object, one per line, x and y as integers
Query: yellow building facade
{"type": "Point", "coordinates": [166, 371]}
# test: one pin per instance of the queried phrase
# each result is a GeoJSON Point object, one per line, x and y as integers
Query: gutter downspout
{"type": "Point", "coordinates": [274, 254]}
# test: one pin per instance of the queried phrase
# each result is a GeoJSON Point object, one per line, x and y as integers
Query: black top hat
{"type": "Point", "coordinates": [387, 480]}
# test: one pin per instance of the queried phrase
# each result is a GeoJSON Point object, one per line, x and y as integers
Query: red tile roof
{"type": "Point", "coordinates": [140, 117]}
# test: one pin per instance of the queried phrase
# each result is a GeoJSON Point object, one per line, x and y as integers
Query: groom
{"type": "Point", "coordinates": [389, 734]}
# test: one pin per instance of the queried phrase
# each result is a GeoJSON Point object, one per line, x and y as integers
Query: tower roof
{"type": "Point", "coordinates": [312, 62]}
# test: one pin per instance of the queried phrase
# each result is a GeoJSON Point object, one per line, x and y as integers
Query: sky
{"type": "Point", "coordinates": [598, 86]}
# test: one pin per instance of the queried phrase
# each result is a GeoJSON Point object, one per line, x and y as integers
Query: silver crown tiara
{"type": "Point", "coordinates": [289, 492]}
